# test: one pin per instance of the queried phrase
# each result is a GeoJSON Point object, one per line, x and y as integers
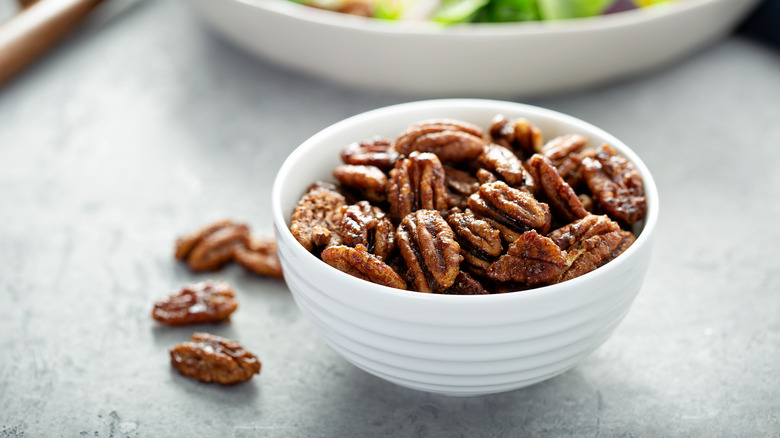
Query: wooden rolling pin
{"type": "Point", "coordinates": [35, 29]}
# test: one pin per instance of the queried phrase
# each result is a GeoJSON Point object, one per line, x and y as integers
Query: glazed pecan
{"type": "Point", "coordinates": [517, 135]}
{"type": "Point", "coordinates": [510, 210]}
{"type": "Point", "coordinates": [460, 185]}
{"type": "Point", "coordinates": [210, 358]}
{"type": "Point", "coordinates": [595, 251]}
{"type": "Point", "coordinates": [376, 152]}
{"type": "Point", "coordinates": [502, 161]}
{"type": "Point", "coordinates": [364, 224]}
{"type": "Point", "coordinates": [465, 284]}
{"type": "Point", "coordinates": [211, 247]}
{"type": "Point", "coordinates": [450, 140]}
{"type": "Point", "coordinates": [480, 243]}
{"type": "Point", "coordinates": [358, 262]}
{"type": "Point", "coordinates": [316, 219]}
{"type": "Point", "coordinates": [531, 259]}
{"type": "Point", "coordinates": [572, 234]}
{"type": "Point", "coordinates": [417, 182]}
{"type": "Point", "coordinates": [616, 184]}
{"type": "Point", "coordinates": [259, 256]}
{"type": "Point", "coordinates": [207, 301]}
{"type": "Point", "coordinates": [428, 246]}
{"type": "Point", "coordinates": [561, 197]}
{"type": "Point", "coordinates": [369, 181]}
{"type": "Point", "coordinates": [566, 154]}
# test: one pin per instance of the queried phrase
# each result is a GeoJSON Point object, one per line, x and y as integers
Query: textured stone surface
{"type": "Point", "coordinates": [146, 126]}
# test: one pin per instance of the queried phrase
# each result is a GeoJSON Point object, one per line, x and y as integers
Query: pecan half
{"type": "Point", "coordinates": [574, 233]}
{"type": "Point", "coordinates": [207, 301]}
{"type": "Point", "coordinates": [561, 197]}
{"type": "Point", "coordinates": [259, 256]}
{"type": "Point", "coordinates": [450, 140]}
{"type": "Point", "coordinates": [595, 251]}
{"type": "Point", "coordinates": [428, 246]}
{"type": "Point", "coordinates": [211, 247]}
{"type": "Point", "coordinates": [480, 242]}
{"type": "Point", "coordinates": [316, 219]}
{"type": "Point", "coordinates": [531, 259]}
{"type": "Point", "coordinates": [210, 358]}
{"type": "Point", "coordinates": [616, 184]}
{"type": "Point", "coordinates": [465, 284]}
{"type": "Point", "coordinates": [505, 163]}
{"type": "Point", "coordinates": [358, 262]}
{"type": "Point", "coordinates": [417, 182]}
{"type": "Point", "coordinates": [364, 224]}
{"type": "Point", "coordinates": [510, 210]}
{"type": "Point", "coordinates": [377, 152]}
{"type": "Point", "coordinates": [369, 181]}
{"type": "Point", "coordinates": [518, 135]}
{"type": "Point", "coordinates": [460, 185]}
{"type": "Point", "coordinates": [566, 154]}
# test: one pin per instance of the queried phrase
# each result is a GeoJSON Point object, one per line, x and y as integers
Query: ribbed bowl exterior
{"type": "Point", "coordinates": [456, 345]}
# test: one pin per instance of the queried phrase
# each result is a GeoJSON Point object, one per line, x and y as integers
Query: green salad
{"type": "Point", "coordinates": [479, 11]}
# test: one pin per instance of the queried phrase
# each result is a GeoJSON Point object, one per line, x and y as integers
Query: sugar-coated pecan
{"type": "Point", "coordinates": [211, 247]}
{"type": "Point", "coordinates": [450, 140]}
{"type": "Point", "coordinates": [616, 184]}
{"type": "Point", "coordinates": [561, 197]}
{"type": "Point", "coordinates": [502, 161]}
{"type": "Point", "coordinates": [259, 256]}
{"type": "Point", "coordinates": [595, 251]}
{"type": "Point", "coordinates": [364, 224]}
{"type": "Point", "coordinates": [566, 154]}
{"type": "Point", "coordinates": [460, 185]}
{"type": "Point", "coordinates": [210, 358]}
{"type": "Point", "coordinates": [531, 259]}
{"type": "Point", "coordinates": [358, 262]}
{"type": "Point", "coordinates": [377, 152]}
{"type": "Point", "coordinates": [574, 233]}
{"type": "Point", "coordinates": [518, 135]}
{"type": "Point", "coordinates": [428, 246]}
{"type": "Point", "coordinates": [480, 242]}
{"type": "Point", "coordinates": [206, 301]}
{"type": "Point", "coordinates": [369, 181]}
{"type": "Point", "coordinates": [417, 182]}
{"type": "Point", "coordinates": [485, 176]}
{"type": "Point", "coordinates": [465, 284]}
{"type": "Point", "coordinates": [510, 210]}
{"type": "Point", "coordinates": [317, 217]}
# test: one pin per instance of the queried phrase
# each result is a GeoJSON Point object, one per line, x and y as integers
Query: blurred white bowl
{"type": "Point", "coordinates": [507, 59]}
{"type": "Point", "coordinates": [457, 345]}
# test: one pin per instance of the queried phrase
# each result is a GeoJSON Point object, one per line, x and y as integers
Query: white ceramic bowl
{"type": "Point", "coordinates": [457, 345]}
{"type": "Point", "coordinates": [480, 60]}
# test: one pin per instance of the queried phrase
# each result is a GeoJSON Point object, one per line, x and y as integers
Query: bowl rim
{"type": "Point", "coordinates": [295, 11]}
{"type": "Point", "coordinates": [530, 111]}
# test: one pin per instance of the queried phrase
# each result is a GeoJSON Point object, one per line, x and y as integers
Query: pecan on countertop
{"type": "Point", "coordinates": [210, 358]}
{"type": "Point", "coordinates": [206, 301]}
{"type": "Point", "coordinates": [259, 256]}
{"type": "Point", "coordinates": [211, 247]}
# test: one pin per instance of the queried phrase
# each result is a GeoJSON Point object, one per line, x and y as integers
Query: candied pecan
{"type": "Point", "coordinates": [377, 152]}
{"type": "Point", "coordinates": [517, 135]}
{"type": "Point", "coordinates": [206, 301]}
{"type": "Point", "coordinates": [211, 247]}
{"type": "Point", "coordinates": [616, 184]}
{"type": "Point", "coordinates": [510, 210]}
{"type": "Point", "coordinates": [364, 224]}
{"type": "Point", "coordinates": [450, 140]}
{"type": "Point", "coordinates": [465, 284]}
{"type": "Point", "coordinates": [259, 256]}
{"type": "Point", "coordinates": [358, 262]}
{"type": "Point", "coordinates": [502, 161]}
{"type": "Point", "coordinates": [428, 245]}
{"type": "Point", "coordinates": [316, 219]}
{"type": "Point", "coordinates": [574, 233]}
{"type": "Point", "coordinates": [561, 197]}
{"type": "Point", "coordinates": [210, 358]}
{"type": "Point", "coordinates": [595, 251]}
{"type": "Point", "coordinates": [370, 181]}
{"type": "Point", "coordinates": [417, 182]}
{"type": "Point", "coordinates": [480, 243]}
{"type": "Point", "coordinates": [561, 147]}
{"type": "Point", "coordinates": [531, 259]}
{"type": "Point", "coordinates": [460, 185]}
{"type": "Point", "coordinates": [485, 176]}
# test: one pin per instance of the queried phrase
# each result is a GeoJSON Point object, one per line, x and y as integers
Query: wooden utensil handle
{"type": "Point", "coordinates": [35, 29]}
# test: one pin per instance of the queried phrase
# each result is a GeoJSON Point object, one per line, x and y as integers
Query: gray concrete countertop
{"type": "Point", "coordinates": [146, 126]}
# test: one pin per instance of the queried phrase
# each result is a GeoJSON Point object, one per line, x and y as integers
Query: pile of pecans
{"type": "Point", "coordinates": [449, 208]}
